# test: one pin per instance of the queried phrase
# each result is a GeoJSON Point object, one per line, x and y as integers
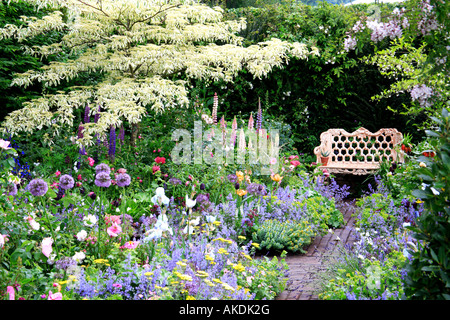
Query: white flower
{"type": "Point", "coordinates": [34, 225]}
{"type": "Point", "coordinates": [2, 241]}
{"type": "Point", "coordinates": [210, 219]}
{"type": "Point", "coordinates": [90, 220]}
{"type": "Point", "coordinates": [160, 226]}
{"type": "Point", "coordinates": [406, 224]}
{"type": "Point", "coordinates": [160, 196]}
{"type": "Point", "coordinates": [435, 192]}
{"type": "Point", "coordinates": [81, 235]}
{"type": "Point", "coordinates": [190, 203]}
{"type": "Point", "coordinates": [79, 256]}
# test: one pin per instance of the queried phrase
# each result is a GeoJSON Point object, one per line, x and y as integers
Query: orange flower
{"type": "Point", "coordinates": [276, 177]}
{"type": "Point", "coordinates": [240, 176]}
{"type": "Point", "coordinates": [241, 192]}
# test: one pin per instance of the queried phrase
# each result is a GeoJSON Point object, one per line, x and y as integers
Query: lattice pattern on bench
{"type": "Point", "coordinates": [359, 152]}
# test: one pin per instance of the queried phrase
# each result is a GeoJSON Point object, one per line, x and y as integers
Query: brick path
{"type": "Point", "coordinates": [304, 268]}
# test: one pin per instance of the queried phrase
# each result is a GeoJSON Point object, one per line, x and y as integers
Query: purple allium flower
{"type": "Point", "coordinates": [102, 179]}
{"type": "Point", "coordinates": [11, 189]}
{"type": "Point", "coordinates": [123, 180]}
{"type": "Point", "coordinates": [66, 182]}
{"type": "Point", "coordinates": [102, 167]}
{"type": "Point", "coordinates": [37, 187]}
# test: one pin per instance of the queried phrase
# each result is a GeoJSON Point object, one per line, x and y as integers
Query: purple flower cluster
{"type": "Point", "coordinates": [66, 182]}
{"type": "Point", "coordinates": [102, 179]}
{"type": "Point", "coordinates": [422, 94]}
{"type": "Point", "coordinates": [37, 187]}
{"type": "Point", "coordinates": [102, 167]}
{"type": "Point", "coordinates": [112, 143]}
{"type": "Point", "coordinates": [123, 180]}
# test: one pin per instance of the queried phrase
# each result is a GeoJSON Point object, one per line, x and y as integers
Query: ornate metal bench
{"type": "Point", "coordinates": [359, 152]}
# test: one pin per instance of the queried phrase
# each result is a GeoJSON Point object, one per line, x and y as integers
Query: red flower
{"type": "Point", "coordinates": [295, 163]}
{"type": "Point", "coordinates": [293, 157]}
{"type": "Point", "coordinates": [428, 154]}
{"type": "Point", "coordinates": [155, 169]}
{"type": "Point", "coordinates": [160, 160]}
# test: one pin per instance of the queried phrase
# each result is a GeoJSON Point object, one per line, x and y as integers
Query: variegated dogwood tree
{"type": "Point", "coordinates": [141, 47]}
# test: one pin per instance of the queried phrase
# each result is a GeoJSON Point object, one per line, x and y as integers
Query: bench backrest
{"type": "Point", "coordinates": [360, 148]}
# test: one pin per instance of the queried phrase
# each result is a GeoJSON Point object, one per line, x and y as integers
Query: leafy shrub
{"type": "Point", "coordinates": [429, 272]}
{"type": "Point", "coordinates": [322, 211]}
{"type": "Point", "coordinates": [288, 235]}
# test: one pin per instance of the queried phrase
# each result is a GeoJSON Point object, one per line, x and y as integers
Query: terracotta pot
{"type": "Point", "coordinates": [324, 160]}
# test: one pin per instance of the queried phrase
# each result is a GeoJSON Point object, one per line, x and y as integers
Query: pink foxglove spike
{"type": "Point", "coordinates": [215, 106]}
{"type": "Point", "coordinates": [242, 140]}
{"type": "Point", "coordinates": [250, 121]}
{"type": "Point", "coordinates": [259, 117]}
{"type": "Point", "coordinates": [234, 124]}
{"type": "Point", "coordinates": [223, 124]}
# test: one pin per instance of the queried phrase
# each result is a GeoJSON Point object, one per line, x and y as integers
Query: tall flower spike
{"type": "Point", "coordinates": [112, 143]}
{"type": "Point", "coordinates": [87, 118]}
{"type": "Point", "coordinates": [223, 125]}
{"type": "Point", "coordinates": [97, 115]}
{"type": "Point", "coordinates": [259, 117]}
{"type": "Point", "coordinates": [215, 106]}
{"type": "Point", "coordinates": [121, 134]}
{"type": "Point", "coordinates": [250, 121]}
{"type": "Point", "coordinates": [233, 131]}
{"type": "Point", "coordinates": [242, 140]}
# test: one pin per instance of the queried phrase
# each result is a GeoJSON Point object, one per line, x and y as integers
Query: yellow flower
{"type": "Point", "coordinates": [222, 250]}
{"type": "Point", "coordinates": [201, 273]}
{"type": "Point", "coordinates": [241, 237]}
{"type": "Point", "coordinates": [241, 192]}
{"type": "Point", "coordinates": [240, 176]}
{"type": "Point", "coordinates": [217, 280]}
{"type": "Point", "coordinates": [256, 245]}
{"type": "Point", "coordinates": [422, 164]}
{"type": "Point", "coordinates": [100, 261]}
{"type": "Point", "coordinates": [276, 177]}
{"type": "Point", "coordinates": [190, 298]}
{"type": "Point", "coordinates": [181, 264]}
{"type": "Point", "coordinates": [148, 274]}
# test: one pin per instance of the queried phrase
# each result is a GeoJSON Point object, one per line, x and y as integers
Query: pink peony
{"type": "Point", "coordinates": [113, 219]}
{"type": "Point", "coordinates": [10, 292]}
{"type": "Point", "coordinates": [155, 169]}
{"type": "Point", "coordinates": [295, 163]}
{"type": "Point", "coordinates": [4, 144]}
{"type": "Point", "coordinates": [122, 170]}
{"type": "Point", "coordinates": [54, 296]}
{"type": "Point", "coordinates": [130, 245]}
{"type": "Point", "coordinates": [91, 161]}
{"type": "Point", "coordinates": [47, 246]}
{"type": "Point", "coordinates": [114, 230]}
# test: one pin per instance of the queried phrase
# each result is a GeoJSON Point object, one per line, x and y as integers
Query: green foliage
{"type": "Point", "coordinates": [362, 280]}
{"type": "Point", "coordinates": [275, 235]}
{"type": "Point", "coordinates": [429, 272]}
{"type": "Point", "coordinates": [322, 211]}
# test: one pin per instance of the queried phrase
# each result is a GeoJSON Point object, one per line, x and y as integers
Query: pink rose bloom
{"type": "Point", "coordinates": [156, 169]}
{"type": "Point", "coordinates": [293, 157]}
{"type": "Point", "coordinates": [273, 160]}
{"type": "Point", "coordinates": [114, 230]}
{"type": "Point", "coordinates": [326, 173]}
{"type": "Point", "coordinates": [4, 144]}
{"type": "Point", "coordinates": [91, 161]}
{"type": "Point", "coordinates": [295, 163]}
{"type": "Point", "coordinates": [57, 173]}
{"type": "Point", "coordinates": [130, 245]}
{"type": "Point", "coordinates": [47, 246]}
{"type": "Point", "coordinates": [10, 292]}
{"type": "Point", "coordinates": [122, 170]}
{"type": "Point", "coordinates": [113, 219]}
{"type": "Point", "coordinates": [79, 177]}
{"type": "Point", "coordinates": [54, 296]}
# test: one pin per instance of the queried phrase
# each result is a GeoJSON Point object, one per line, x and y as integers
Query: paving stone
{"type": "Point", "coordinates": [304, 270]}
